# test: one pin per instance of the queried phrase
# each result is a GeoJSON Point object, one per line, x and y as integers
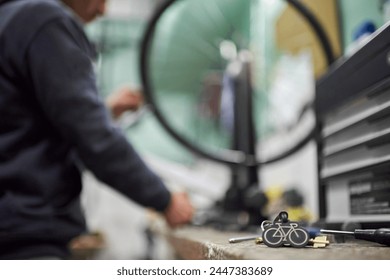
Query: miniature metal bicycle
{"type": "Point", "coordinates": [283, 232]}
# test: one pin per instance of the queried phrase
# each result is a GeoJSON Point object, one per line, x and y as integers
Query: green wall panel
{"type": "Point", "coordinates": [354, 12]}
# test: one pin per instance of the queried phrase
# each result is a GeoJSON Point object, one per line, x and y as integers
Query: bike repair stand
{"type": "Point", "coordinates": [241, 208]}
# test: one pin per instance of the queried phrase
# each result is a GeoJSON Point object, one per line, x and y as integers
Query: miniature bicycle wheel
{"type": "Point", "coordinates": [272, 237]}
{"type": "Point", "coordinates": [298, 238]}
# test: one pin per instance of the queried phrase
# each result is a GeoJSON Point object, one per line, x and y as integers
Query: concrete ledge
{"type": "Point", "coordinates": [194, 243]}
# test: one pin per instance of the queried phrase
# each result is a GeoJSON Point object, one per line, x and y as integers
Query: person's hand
{"type": "Point", "coordinates": [124, 99]}
{"type": "Point", "coordinates": [179, 211]}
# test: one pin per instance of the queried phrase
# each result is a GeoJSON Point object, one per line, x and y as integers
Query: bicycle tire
{"type": "Point", "coordinates": [298, 238]}
{"type": "Point", "coordinates": [230, 157]}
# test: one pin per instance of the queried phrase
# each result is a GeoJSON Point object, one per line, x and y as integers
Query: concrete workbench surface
{"type": "Point", "coordinates": [196, 243]}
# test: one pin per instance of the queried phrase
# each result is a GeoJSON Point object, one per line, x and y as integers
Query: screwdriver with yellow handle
{"type": "Point", "coordinates": [381, 236]}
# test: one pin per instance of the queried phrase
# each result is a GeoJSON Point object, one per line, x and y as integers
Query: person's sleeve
{"type": "Point", "coordinates": [65, 87]}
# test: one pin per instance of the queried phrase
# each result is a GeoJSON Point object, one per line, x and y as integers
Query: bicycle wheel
{"type": "Point", "coordinates": [272, 237]}
{"type": "Point", "coordinates": [298, 238]}
{"type": "Point", "coordinates": [190, 76]}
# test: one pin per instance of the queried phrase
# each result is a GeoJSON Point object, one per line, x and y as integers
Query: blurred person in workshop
{"type": "Point", "coordinates": [53, 125]}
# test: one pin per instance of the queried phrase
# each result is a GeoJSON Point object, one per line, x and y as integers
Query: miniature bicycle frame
{"type": "Point", "coordinates": [283, 232]}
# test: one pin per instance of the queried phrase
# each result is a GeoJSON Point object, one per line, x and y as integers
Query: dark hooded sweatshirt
{"type": "Point", "coordinates": [51, 119]}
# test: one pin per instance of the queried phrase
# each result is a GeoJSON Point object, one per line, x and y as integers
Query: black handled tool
{"type": "Point", "coordinates": [381, 236]}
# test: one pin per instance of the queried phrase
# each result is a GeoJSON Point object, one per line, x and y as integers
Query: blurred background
{"type": "Point", "coordinates": [191, 62]}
